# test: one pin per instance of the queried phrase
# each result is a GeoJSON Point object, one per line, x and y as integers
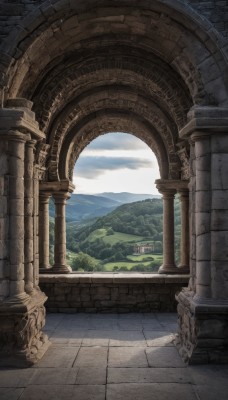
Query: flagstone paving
{"type": "Point", "coordinates": [113, 357]}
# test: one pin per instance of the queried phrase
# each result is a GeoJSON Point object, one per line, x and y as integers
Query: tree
{"type": "Point", "coordinates": [83, 262]}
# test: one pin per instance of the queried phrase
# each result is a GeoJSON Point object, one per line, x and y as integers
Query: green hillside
{"type": "Point", "coordinates": [107, 243]}
{"type": "Point", "coordinates": [110, 240]}
{"type": "Point", "coordinates": [81, 207]}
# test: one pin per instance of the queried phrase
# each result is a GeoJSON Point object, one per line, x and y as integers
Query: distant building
{"type": "Point", "coordinates": [143, 248]}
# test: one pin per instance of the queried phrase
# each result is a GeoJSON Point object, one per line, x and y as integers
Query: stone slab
{"type": "Point", "coordinates": [212, 392]}
{"type": "Point", "coordinates": [91, 376]}
{"type": "Point", "coordinates": [92, 357]}
{"type": "Point", "coordinates": [15, 377]}
{"type": "Point", "coordinates": [158, 338]}
{"type": "Point", "coordinates": [164, 357]}
{"type": "Point", "coordinates": [90, 392]}
{"type": "Point", "coordinates": [148, 375]}
{"type": "Point", "coordinates": [47, 392]}
{"type": "Point", "coordinates": [10, 393]}
{"type": "Point", "coordinates": [208, 375]}
{"type": "Point", "coordinates": [53, 376]}
{"type": "Point", "coordinates": [127, 357]}
{"type": "Point", "coordinates": [146, 391]}
{"type": "Point", "coordinates": [55, 357]}
{"type": "Point", "coordinates": [96, 338]}
{"type": "Point", "coordinates": [127, 339]}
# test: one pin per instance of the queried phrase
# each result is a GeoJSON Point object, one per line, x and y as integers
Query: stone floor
{"type": "Point", "coordinates": [113, 357]}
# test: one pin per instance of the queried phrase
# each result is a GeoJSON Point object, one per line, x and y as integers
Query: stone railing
{"type": "Point", "coordinates": [112, 292]}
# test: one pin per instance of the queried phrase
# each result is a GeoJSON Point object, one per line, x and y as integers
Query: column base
{"type": "Point", "coordinates": [22, 342]}
{"type": "Point", "coordinates": [183, 269]}
{"type": "Point", "coordinates": [45, 270]}
{"type": "Point", "coordinates": [203, 327]}
{"type": "Point", "coordinates": [168, 269]}
{"type": "Point", "coordinates": [61, 269]}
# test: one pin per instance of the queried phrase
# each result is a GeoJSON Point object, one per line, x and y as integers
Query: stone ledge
{"type": "Point", "coordinates": [96, 292]}
{"type": "Point", "coordinates": [114, 278]}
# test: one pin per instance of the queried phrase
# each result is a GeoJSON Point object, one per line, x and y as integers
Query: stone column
{"type": "Point", "coordinates": [183, 267]}
{"type": "Point", "coordinates": [60, 266]}
{"type": "Point", "coordinates": [29, 211]}
{"type": "Point", "coordinates": [169, 266]}
{"type": "Point", "coordinates": [44, 232]}
{"type": "Point", "coordinates": [16, 214]}
{"type": "Point", "coordinates": [203, 215]}
{"type": "Point", "coordinates": [192, 220]}
{"type": "Point", "coordinates": [203, 307]}
{"type": "Point", "coordinates": [36, 226]}
{"type": "Point", "coordinates": [22, 313]}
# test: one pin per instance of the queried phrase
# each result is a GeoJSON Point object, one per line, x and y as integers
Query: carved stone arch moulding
{"type": "Point", "coordinates": [74, 116]}
{"type": "Point", "coordinates": [179, 30]}
{"type": "Point", "coordinates": [77, 140]}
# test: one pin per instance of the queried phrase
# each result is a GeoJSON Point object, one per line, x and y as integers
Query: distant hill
{"type": "Point", "coordinates": [81, 207]}
{"type": "Point", "coordinates": [112, 236]}
{"type": "Point", "coordinates": [121, 228]}
{"type": "Point", "coordinates": [143, 218]}
{"type": "Point", "coordinates": [125, 197]}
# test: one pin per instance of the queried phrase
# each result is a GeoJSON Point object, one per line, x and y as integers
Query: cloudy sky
{"type": "Point", "coordinates": [116, 162]}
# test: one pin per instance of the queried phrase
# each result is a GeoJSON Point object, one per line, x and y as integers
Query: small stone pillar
{"type": "Point", "coordinates": [16, 214]}
{"type": "Point", "coordinates": [29, 215]}
{"type": "Point", "coordinates": [60, 266]}
{"type": "Point", "coordinates": [44, 232]}
{"type": "Point", "coordinates": [168, 266]}
{"type": "Point", "coordinates": [183, 267]}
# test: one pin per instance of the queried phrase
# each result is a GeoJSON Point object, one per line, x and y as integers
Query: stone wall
{"type": "Point", "coordinates": [111, 293]}
{"type": "Point", "coordinates": [13, 11]}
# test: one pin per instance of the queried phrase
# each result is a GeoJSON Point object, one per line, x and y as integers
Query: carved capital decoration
{"type": "Point", "coordinates": [21, 336]}
{"type": "Point", "coordinates": [41, 155]}
{"type": "Point", "coordinates": [183, 154]}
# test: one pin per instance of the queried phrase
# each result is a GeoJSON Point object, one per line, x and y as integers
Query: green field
{"type": "Point", "coordinates": [97, 234]}
{"type": "Point", "coordinates": [112, 239]}
{"type": "Point", "coordinates": [121, 237]}
{"type": "Point", "coordinates": [145, 259]}
{"type": "Point", "coordinates": [109, 266]}
{"type": "Point", "coordinates": [141, 257]}
{"type": "Point", "coordinates": [134, 260]}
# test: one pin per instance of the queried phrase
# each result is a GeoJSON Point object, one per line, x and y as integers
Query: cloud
{"type": "Point", "coordinates": [116, 141]}
{"type": "Point", "coordinates": [91, 167]}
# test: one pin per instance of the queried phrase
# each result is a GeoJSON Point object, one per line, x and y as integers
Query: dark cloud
{"type": "Point", "coordinates": [116, 141]}
{"type": "Point", "coordinates": [91, 167]}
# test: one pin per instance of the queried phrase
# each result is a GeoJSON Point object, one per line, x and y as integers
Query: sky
{"type": "Point", "coordinates": [116, 162]}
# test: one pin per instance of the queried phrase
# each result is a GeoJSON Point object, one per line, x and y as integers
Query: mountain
{"type": "Point", "coordinates": [80, 207]}
{"type": "Point", "coordinates": [119, 230]}
{"type": "Point", "coordinates": [125, 197]}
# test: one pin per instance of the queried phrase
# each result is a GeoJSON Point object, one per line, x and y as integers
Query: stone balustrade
{"type": "Point", "coordinates": [108, 293]}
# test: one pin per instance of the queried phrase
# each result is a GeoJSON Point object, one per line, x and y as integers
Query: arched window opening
{"type": "Point", "coordinates": [114, 217]}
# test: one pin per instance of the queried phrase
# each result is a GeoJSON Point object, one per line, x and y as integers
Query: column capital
{"type": "Point", "coordinates": [183, 192]}
{"type": "Point", "coordinates": [205, 121]}
{"type": "Point", "coordinates": [168, 186]}
{"type": "Point", "coordinates": [14, 135]}
{"type": "Point", "coordinates": [17, 115]}
{"type": "Point", "coordinates": [57, 186]}
{"type": "Point", "coordinates": [44, 197]}
{"type": "Point", "coordinates": [61, 197]}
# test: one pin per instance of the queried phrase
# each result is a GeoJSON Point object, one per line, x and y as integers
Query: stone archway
{"type": "Point", "coordinates": [82, 68]}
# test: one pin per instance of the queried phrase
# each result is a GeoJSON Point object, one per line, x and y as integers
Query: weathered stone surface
{"type": "Point", "coordinates": [136, 391]}
{"type": "Point", "coordinates": [127, 357]}
{"type": "Point", "coordinates": [120, 295]}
